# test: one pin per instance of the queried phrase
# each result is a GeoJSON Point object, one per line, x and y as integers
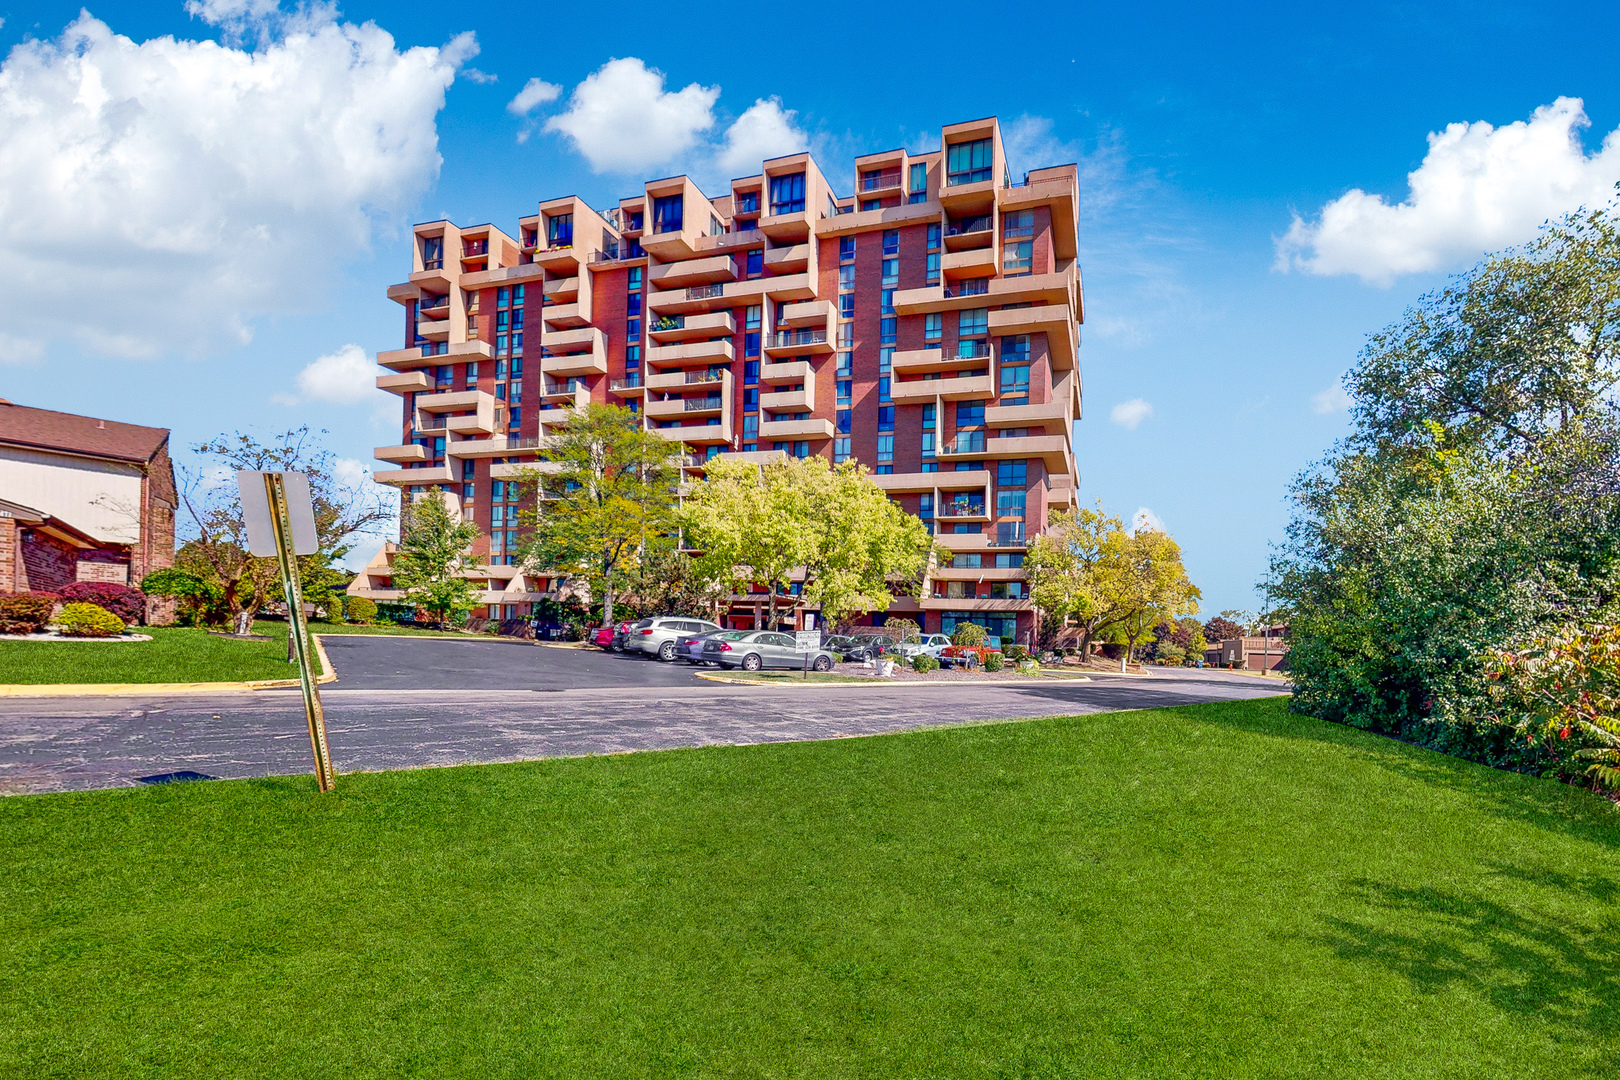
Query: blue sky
{"type": "Point", "coordinates": [1201, 132]}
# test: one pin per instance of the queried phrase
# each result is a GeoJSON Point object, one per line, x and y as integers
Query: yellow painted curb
{"type": "Point", "coordinates": [328, 675]}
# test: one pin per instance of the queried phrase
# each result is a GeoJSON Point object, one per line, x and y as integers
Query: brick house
{"type": "Point", "coordinates": [82, 499]}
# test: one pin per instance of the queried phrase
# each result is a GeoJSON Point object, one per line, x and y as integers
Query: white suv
{"type": "Point", "coordinates": [930, 645]}
{"type": "Point", "coordinates": [660, 637]}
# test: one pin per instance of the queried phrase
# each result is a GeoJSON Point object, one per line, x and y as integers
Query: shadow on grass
{"type": "Point", "coordinates": [1563, 973]}
{"type": "Point", "coordinates": [1547, 804]}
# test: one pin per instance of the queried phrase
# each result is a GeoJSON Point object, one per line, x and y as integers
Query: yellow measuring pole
{"type": "Point", "coordinates": [281, 522]}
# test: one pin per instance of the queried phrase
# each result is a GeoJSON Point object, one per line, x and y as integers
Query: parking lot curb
{"type": "Point", "coordinates": [802, 684]}
{"type": "Point", "coordinates": [328, 675]}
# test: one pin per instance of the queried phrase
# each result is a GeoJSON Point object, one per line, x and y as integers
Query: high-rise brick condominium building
{"type": "Point", "coordinates": [927, 326]}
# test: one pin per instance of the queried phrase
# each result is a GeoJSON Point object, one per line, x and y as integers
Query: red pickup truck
{"type": "Point", "coordinates": [968, 656]}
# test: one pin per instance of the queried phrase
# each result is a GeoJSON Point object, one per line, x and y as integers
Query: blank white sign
{"type": "Point", "coordinates": [256, 513]}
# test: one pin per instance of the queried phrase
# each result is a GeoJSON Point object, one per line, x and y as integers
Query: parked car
{"type": "Point", "coordinates": [857, 649]}
{"type": "Point", "coordinates": [622, 634]}
{"type": "Point", "coordinates": [756, 649]}
{"type": "Point", "coordinates": [660, 637]}
{"type": "Point", "coordinates": [968, 656]}
{"type": "Point", "coordinates": [690, 648]}
{"type": "Point", "coordinates": [602, 636]}
{"type": "Point", "coordinates": [930, 645]}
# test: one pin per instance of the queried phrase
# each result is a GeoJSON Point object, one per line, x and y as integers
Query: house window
{"type": "Point", "coordinates": [632, 356]}
{"type": "Point", "coordinates": [846, 336]}
{"type": "Point", "coordinates": [886, 302]}
{"type": "Point", "coordinates": [970, 414]}
{"type": "Point", "coordinates": [933, 237]}
{"type": "Point", "coordinates": [969, 162]}
{"type": "Point", "coordinates": [844, 393]}
{"type": "Point", "coordinates": [432, 252]}
{"type": "Point", "coordinates": [887, 331]}
{"type": "Point", "coordinates": [751, 426]}
{"type": "Point", "coordinates": [886, 418]}
{"type": "Point", "coordinates": [1010, 473]}
{"type": "Point", "coordinates": [846, 305]}
{"type": "Point", "coordinates": [750, 372]}
{"type": "Point", "coordinates": [787, 194]}
{"type": "Point", "coordinates": [933, 325]}
{"type": "Point", "coordinates": [928, 418]}
{"type": "Point", "coordinates": [891, 241]}
{"type": "Point", "coordinates": [634, 282]}
{"type": "Point", "coordinates": [885, 448]}
{"type": "Point", "coordinates": [931, 268]}
{"type": "Point", "coordinates": [1017, 258]}
{"type": "Point", "coordinates": [1014, 381]}
{"type": "Point", "coordinates": [1018, 224]}
{"type": "Point", "coordinates": [891, 273]}
{"type": "Point", "coordinates": [633, 304]}
{"type": "Point", "coordinates": [927, 444]}
{"type": "Point", "coordinates": [840, 450]}
{"type": "Point", "coordinates": [845, 360]}
{"type": "Point", "coordinates": [846, 249]}
{"type": "Point", "coordinates": [973, 322]}
{"type": "Point", "coordinates": [747, 202]}
{"type": "Point", "coordinates": [667, 213]}
{"type": "Point", "coordinates": [756, 262]}
{"type": "Point", "coordinates": [919, 181]}
{"type": "Point", "coordinates": [751, 343]}
{"type": "Point", "coordinates": [1010, 502]}
{"type": "Point", "coordinates": [632, 330]}
{"type": "Point", "coordinates": [846, 278]}
{"type": "Point", "coordinates": [560, 231]}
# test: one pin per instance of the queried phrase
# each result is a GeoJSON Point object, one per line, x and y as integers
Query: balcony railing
{"type": "Point", "coordinates": [971, 287]}
{"type": "Point", "coordinates": [433, 264]}
{"type": "Point", "coordinates": [973, 350]}
{"type": "Point", "coordinates": [970, 225]}
{"type": "Point", "coordinates": [667, 322]}
{"type": "Point", "coordinates": [695, 378]}
{"type": "Point", "coordinates": [878, 180]}
{"type": "Point", "coordinates": [700, 404]}
{"type": "Point", "coordinates": [706, 292]}
{"type": "Point", "coordinates": [610, 255]}
{"type": "Point", "coordinates": [787, 338]}
{"type": "Point", "coordinates": [434, 303]}
{"type": "Point", "coordinates": [748, 203]}
{"type": "Point", "coordinates": [962, 509]}
{"type": "Point", "coordinates": [625, 384]}
{"type": "Point", "coordinates": [970, 443]}
{"type": "Point", "coordinates": [475, 247]}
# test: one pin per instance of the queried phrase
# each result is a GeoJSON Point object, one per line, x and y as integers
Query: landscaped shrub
{"type": "Point", "coordinates": [126, 603]}
{"type": "Point", "coordinates": [201, 603]}
{"type": "Point", "coordinates": [88, 620]}
{"type": "Point", "coordinates": [1015, 654]}
{"type": "Point", "coordinates": [574, 632]}
{"type": "Point", "coordinates": [924, 663]}
{"type": "Point", "coordinates": [1560, 695]}
{"type": "Point", "coordinates": [902, 629]}
{"type": "Point", "coordinates": [968, 634]}
{"type": "Point", "coordinates": [992, 661]}
{"type": "Point", "coordinates": [26, 613]}
{"type": "Point", "coordinates": [361, 610]}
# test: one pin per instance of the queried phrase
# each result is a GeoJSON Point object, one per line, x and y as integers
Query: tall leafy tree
{"type": "Point", "coordinates": [1076, 570]}
{"type": "Point", "coordinates": [763, 523]}
{"type": "Point", "coordinates": [215, 547]}
{"type": "Point", "coordinates": [1152, 588]}
{"type": "Point", "coordinates": [1476, 501]}
{"type": "Point", "coordinates": [432, 560]}
{"type": "Point", "coordinates": [605, 496]}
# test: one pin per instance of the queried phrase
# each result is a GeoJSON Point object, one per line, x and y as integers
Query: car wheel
{"type": "Point", "coordinates": [666, 651]}
{"type": "Point", "coordinates": [751, 662]}
{"type": "Point", "coordinates": [822, 664]}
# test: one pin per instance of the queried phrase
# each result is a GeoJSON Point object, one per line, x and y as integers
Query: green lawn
{"type": "Point", "coordinates": [173, 655]}
{"type": "Point", "coordinates": [1220, 891]}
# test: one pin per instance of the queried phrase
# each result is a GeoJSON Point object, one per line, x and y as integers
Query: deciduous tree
{"type": "Point", "coordinates": [606, 493]}
{"type": "Point", "coordinates": [433, 557]}
{"type": "Point", "coordinates": [1076, 570]}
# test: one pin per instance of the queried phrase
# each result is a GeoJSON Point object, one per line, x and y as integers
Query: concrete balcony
{"type": "Point", "coordinates": [681, 380]}
{"type": "Point", "coordinates": [405, 382]}
{"type": "Point", "coordinates": [501, 275]}
{"type": "Point", "coordinates": [787, 260]}
{"type": "Point", "coordinates": [976, 542]}
{"type": "Point", "coordinates": [413, 477]}
{"type": "Point", "coordinates": [494, 446]}
{"type": "Point", "coordinates": [812, 314]}
{"type": "Point", "coordinates": [1054, 417]}
{"type": "Point", "coordinates": [433, 329]}
{"type": "Point", "coordinates": [964, 388]}
{"type": "Point", "coordinates": [976, 574]}
{"type": "Point", "coordinates": [628, 387]}
{"type": "Point", "coordinates": [967, 510]}
{"type": "Point", "coordinates": [698, 434]}
{"type": "Point", "coordinates": [563, 290]}
{"type": "Point", "coordinates": [969, 233]}
{"type": "Point", "coordinates": [791, 371]}
{"type": "Point", "coordinates": [708, 405]}
{"type": "Point", "coordinates": [693, 272]}
{"type": "Point", "coordinates": [675, 328]}
{"type": "Point", "coordinates": [976, 479]}
{"type": "Point", "coordinates": [563, 397]}
{"type": "Point", "coordinates": [574, 352]}
{"type": "Point", "coordinates": [1056, 321]}
{"type": "Point", "coordinates": [968, 200]}
{"type": "Point", "coordinates": [964, 603]}
{"type": "Point", "coordinates": [977, 262]}
{"type": "Point", "coordinates": [803, 341]}
{"type": "Point", "coordinates": [790, 400]}
{"type": "Point", "coordinates": [404, 359]}
{"type": "Point", "coordinates": [730, 294]}
{"type": "Point", "coordinates": [813, 428]}
{"type": "Point", "coordinates": [476, 423]}
{"type": "Point", "coordinates": [1054, 450]}
{"type": "Point", "coordinates": [1058, 190]}
{"type": "Point", "coordinates": [918, 361]}
{"type": "Point", "coordinates": [406, 453]}
{"type": "Point", "coordinates": [563, 261]}
{"type": "Point", "coordinates": [718, 351]}
{"type": "Point", "coordinates": [786, 228]}
{"type": "Point", "coordinates": [565, 316]}
{"type": "Point", "coordinates": [574, 364]}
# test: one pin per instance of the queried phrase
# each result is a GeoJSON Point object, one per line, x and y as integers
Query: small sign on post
{"type": "Point", "coordinates": [280, 521]}
{"type": "Point", "coordinates": [807, 642]}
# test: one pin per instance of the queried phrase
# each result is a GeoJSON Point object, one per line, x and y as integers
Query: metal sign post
{"type": "Point", "coordinates": [281, 522]}
{"type": "Point", "coordinates": [807, 642]}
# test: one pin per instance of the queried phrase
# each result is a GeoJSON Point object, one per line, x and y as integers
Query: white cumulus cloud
{"type": "Point", "coordinates": [157, 196]}
{"type": "Point", "coordinates": [1335, 399]}
{"type": "Point", "coordinates": [1128, 414]}
{"type": "Point", "coordinates": [764, 131]}
{"type": "Point", "coordinates": [1478, 189]}
{"type": "Point", "coordinates": [535, 93]}
{"type": "Point", "coordinates": [1145, 520]}
{"type": "Point", "coordinates": [346, 377]}
{"type": "Point", "coordinates": [623, 120]}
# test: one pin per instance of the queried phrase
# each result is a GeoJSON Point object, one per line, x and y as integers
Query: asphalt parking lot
{"type": "Point", "coordinates": [402, 703]}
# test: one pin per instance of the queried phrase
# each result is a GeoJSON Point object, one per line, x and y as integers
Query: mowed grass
{"type": "Point", "coordinates": [1217, 891]}
{"type": "Point", "coordinates": [175, 654]}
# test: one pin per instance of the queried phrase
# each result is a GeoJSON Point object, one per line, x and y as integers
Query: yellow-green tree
{"type": "Point", "coordinates": [762, 523]}
{"type": "Point", "coordinates": [1152, 588]}
{"type": "Point", "coordinates": [1077, 569]}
